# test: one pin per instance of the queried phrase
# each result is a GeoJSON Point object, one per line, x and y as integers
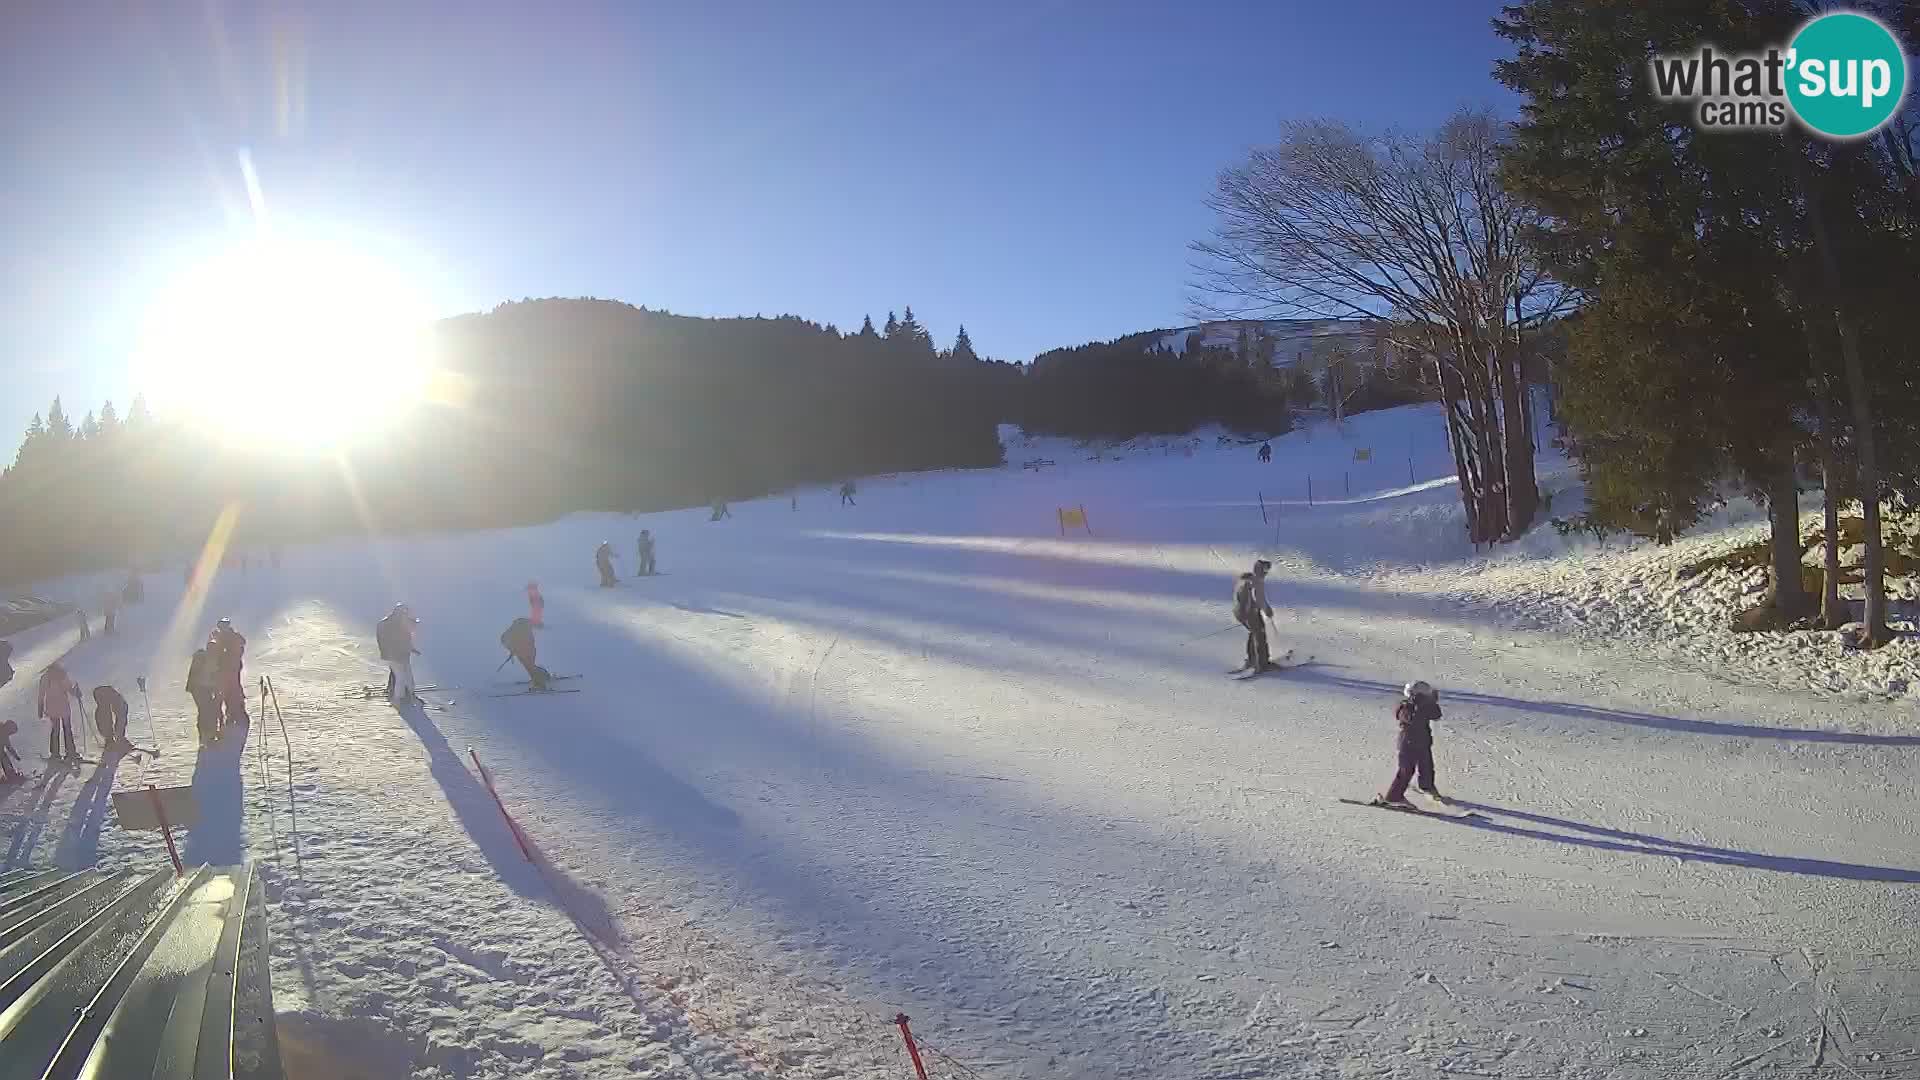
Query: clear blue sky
{"type": "Point", "coordinates": [1032, 168]}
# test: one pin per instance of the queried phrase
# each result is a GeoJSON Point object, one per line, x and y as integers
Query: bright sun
{"type": "Point", "coordinates": [299, 345]}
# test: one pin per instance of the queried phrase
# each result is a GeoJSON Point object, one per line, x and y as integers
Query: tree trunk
{"type": "Point", "coordinates": [1786, 594]}
{"type": "Point", "coordinates": [1873, 566]}
{"type": "Point", "coordinates": [1833, 615]}
{"type": "Point", "coordinates": [1451, 395]}
{"type": "Point", "coordinates": [1523, 489]}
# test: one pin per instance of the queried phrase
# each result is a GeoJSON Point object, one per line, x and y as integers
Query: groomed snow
{"type": "Point", "coordinates": [927, 755]}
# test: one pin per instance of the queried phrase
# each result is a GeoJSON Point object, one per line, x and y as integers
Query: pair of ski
{"type": "Point", "coordinates": [1284, 662]}
{"type": "Point", "coordinates": [527, 691]}
{"type": "Point", "coordinates": [1426, 806]}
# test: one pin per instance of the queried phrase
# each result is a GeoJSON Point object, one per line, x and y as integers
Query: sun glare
{"type": "Point", "coordinates": [303, 346]}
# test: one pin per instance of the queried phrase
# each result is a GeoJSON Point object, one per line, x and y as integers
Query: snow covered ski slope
{"type": "Point", "coordinates": [927, 755]}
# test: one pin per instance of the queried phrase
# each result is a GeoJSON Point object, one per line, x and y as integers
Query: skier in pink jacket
{"type": "Point", "coordinates": [56, 693]}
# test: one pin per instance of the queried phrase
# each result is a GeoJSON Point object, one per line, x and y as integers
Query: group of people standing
{"type": "Point", "coordinates": [214, 681]}
{"type": "Point", "coordinates": [59, 694]}
{"type": "Point", "coordinates": [645, 566]}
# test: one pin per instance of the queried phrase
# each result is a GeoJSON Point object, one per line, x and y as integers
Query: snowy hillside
{"type": "Point", "coordinates": [926, 754]}
{"type": "Point", "coordinates": [1294, 340]}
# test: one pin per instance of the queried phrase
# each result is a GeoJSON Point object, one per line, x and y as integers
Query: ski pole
{"type": "Point", "coordinates": [1215, 633]}
{"type": "Point", "coordinates": [503, 663]}
{"type": "Point", "coordinates": [152, 739]}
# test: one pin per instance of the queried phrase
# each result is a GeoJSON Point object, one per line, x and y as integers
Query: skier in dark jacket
{"type": "Point", "coordinates": [1266, 453]}
{"type": "Point", "coordinates": [1249, 605]}
{"type": "Point", "coordinates": [603, 558]}
{"type": "Point", "coordinates": [846, 493]}
{"type": "Point", "coordinates": [110, 717]}
{"type": "Point", "coordinates": [233, 693]}
{"type": "Point", "coordinates": [1413, 746]}
{"type": "Point", "coordinates": [645, 552]}
{"type": "Point", "coordinates": [518, 641]}
{"type": "Point", "coordinates": [203, 682]}
{"type": "Point", "coordinates": [8, 755]}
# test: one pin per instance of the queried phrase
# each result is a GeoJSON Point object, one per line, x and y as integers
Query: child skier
{"type": "Point", "coordinates": [645, 568]}
{"type": "Point", "coordinates": [1413, 746]}
{"type": "Point", "coordinates": [518, 641]}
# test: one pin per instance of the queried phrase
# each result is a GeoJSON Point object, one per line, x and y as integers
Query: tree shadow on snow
{"type": "Point", "coordinates": [1606, 839]}
{"type": "Point", "coordinates": [1675, 724]}
{"type": "Point", "coordinates": [530, 874]}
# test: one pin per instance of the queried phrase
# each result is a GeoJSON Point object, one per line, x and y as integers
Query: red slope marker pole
{"type": "Point", "coordinates": [166, 831]}
{"type": "Point", "coordinates": [913, 1048]}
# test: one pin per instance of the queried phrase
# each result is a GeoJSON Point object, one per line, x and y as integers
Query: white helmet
{"type": "Point", "coordinates": [1420, 688]}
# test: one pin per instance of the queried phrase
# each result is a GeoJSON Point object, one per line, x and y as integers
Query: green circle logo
{"type": "Point", "coordinates": [1847, 74]}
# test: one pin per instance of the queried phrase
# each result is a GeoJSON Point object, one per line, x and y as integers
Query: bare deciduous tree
{"type": "Point", "coordinates": [1417, 235]}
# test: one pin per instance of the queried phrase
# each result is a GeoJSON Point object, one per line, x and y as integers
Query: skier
{"type": "Point", "coordinates": [57, 692]}
{"type": "Point", "coordinates": [846, 493]}
{"type": "Point", "coordinates": [1266, 453]}
{"type": "Point", "coordinates": [203, 683]}
{"type": "Point", "coordinates": [1413, 746]}
{"type": "Point", "coordinates": [720, 510]}
{"type": "Point", "coordinates": [110, 717]}
{"type": "Point", "coordinates": [6, 662]}
{"type": "Point", "coordinates": [113, 609]}
{"type": "Point", "coordinates": [85, 633]}
{"type": "Point", "coordinates": [395, 637]}
{"type": "Point", "coordinates": [536, 604]}
{"type": "Point", "coordinates": [645, 568]}
{"type": "Point", "coordinates": [8, 755]}
{"type": "Point", "coordinates": [603, 558]}
{"type": "Point", "coordinates": [233, 694]}
{"type": "Point", "coordinates": [1249, 604]}
{"type": "Point", "coordinates": [518, 640]}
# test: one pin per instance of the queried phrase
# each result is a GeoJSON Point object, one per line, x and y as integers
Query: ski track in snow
{"type": "Point", "coordinates": [927, 755]}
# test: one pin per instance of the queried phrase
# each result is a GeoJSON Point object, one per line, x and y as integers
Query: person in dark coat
{"type": "Point", "coordinates": [8, 755]}
{"type": "Point", "coordinates": [846, 493]}
{"type": "Point", "coordinates": [203, 683]}
{"type": "Point", "coordinates": [233, 693]}
{"type": "Point", "coordinates": [1413, 745]}
{"type": "Point", "coordinates": [603, 559]}
{"type": "Point", "coordinates": [518, 641]}
{"type": "Point", "coordinates": [1266, 453]}
{"type": "Point", "coordinates": [110, 717]}
{"type": "Point", "coordinates": [1249, 607]}
{"type": "Point", "coordinates": [645, 545]}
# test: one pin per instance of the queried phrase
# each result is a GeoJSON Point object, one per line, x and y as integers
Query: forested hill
{"type": "Point", "coordinates": [543, 407]}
